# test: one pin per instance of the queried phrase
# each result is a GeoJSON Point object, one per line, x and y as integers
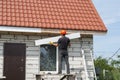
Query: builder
{"type": "Point", "coordinates": [63, 43]}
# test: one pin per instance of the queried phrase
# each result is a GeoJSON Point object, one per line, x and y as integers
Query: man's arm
{"type": "Point", "coordinates": [69, 44]}
{"type": "Point", "coordinates": [55, 44]}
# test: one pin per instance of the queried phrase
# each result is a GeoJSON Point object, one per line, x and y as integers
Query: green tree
{"type": "Point", "coordinates": [116, 74]}
{"type": "Point", "coordinates": [102, 64]}
{"type": "Point", "coordinates": [116, 70]}
{"type": "Point", "coordinates": [109, 68]}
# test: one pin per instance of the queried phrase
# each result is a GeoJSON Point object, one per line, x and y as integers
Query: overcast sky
{"type": "Point", "coordinates": [109, 11]}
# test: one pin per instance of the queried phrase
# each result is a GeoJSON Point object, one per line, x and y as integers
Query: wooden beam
{"type": "Point", "coordinates": [55, 39]}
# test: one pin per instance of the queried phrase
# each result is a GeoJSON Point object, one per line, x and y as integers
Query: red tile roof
{"type": "Point", "coordinates": [56, 14]}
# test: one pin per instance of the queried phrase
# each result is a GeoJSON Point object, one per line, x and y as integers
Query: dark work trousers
{"type": "Point", "coordinates": [63, 54]}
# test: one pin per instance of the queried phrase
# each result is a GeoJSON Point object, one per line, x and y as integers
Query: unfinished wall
{"type": "Point", "coordinates": [32, 53]}
{"type": "Point", "coordinates": [76, 60]}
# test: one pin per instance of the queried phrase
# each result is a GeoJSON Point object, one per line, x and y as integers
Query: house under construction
{"type": "Point", "coordinates": [24, 23]}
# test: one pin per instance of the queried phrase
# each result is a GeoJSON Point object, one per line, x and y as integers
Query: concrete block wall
{"type": "Point", "coordinates": [32, 53]}
{"type": "Point", "coordinates": [87, 47]}
{"type": "Point", "coordinates": [76, 58]}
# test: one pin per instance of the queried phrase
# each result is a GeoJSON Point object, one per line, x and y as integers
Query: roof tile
{"type": "Point", "coordinates": [59, 14]}
{"type": "Point", "coordinates": [18, 23]}
{"type": "Point", "coordinates": [4, 22]}
{"type": "Point", "coordinates": [4, 18]}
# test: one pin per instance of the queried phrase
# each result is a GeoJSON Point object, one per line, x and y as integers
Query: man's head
{"type": "Point", "coordinates": [63, 32]}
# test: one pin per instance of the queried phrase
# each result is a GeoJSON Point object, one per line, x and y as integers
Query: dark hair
{"type": "Point", "coordinates": [63, 34]}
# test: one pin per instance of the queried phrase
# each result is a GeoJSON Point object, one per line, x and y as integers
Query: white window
{"type": "Point", "coordinates": [48, 59]}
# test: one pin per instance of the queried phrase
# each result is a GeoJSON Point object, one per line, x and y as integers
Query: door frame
{"type": "Point", "coordinates": [22, 57]}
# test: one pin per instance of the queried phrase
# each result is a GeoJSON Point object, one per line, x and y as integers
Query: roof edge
{"type": "Point", "coordinates": [56, 31]}
{"type": "Point", "coordinates": [19, 29]}
{"type": "Point", "coordinates": [47, 31]}
{"type": "Point", "coordinates": [96, 12]}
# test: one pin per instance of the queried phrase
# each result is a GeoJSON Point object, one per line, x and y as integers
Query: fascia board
{"type": "Point", "coordinates": [76, 31]}
{"type": "Point", "coordinates": [20, 29]}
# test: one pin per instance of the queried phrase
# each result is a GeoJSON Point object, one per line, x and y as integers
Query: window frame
{"type": "Point", "coordinates": [46, 72]}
